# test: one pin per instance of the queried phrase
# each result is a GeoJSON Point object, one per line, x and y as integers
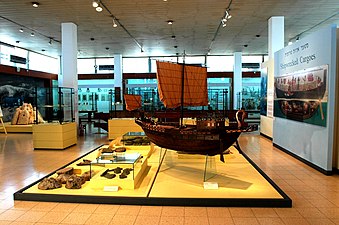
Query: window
{"type": "Point", "coordinates": [86, 66]}
{"type": "Point", "coordinates": [220, 63]}
{"type": "Point", "coordinates": [43, 63]}
{"type": "Point", "coordinates": [135, 65]}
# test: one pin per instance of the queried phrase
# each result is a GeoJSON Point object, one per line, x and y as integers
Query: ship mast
{"type": "Point", "coordinates": [182, 92]}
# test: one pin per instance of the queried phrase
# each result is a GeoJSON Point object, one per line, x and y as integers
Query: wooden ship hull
{"type": "Point", "coordinates": [190, 140]}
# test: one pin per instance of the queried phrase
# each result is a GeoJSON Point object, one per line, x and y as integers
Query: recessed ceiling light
{"type": "Point", "coordinates": [170, 22]}
{"type": "Point", "coordinates": [35, 4]}
{"type": "Point", "coordinates": [173, 37]}
{"type": "Point", "coordinates": [245, 46]}
{"type": "Point", "coordinates": [92, 39]}
{"type": "Point", "coordinates": [32, 34]}
{"type": "Point", "coordinates": [107, 48]}
{"type": "Point", "coordinates": [17, 42]}
{"type": "Point", "coordinates": [258, 35]}
{"type": "Point", "coordinates": [21, 30]}
{"type": "Point", "coordinates": [43, 50]}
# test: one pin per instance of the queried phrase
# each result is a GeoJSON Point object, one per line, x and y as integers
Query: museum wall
{"type": "Point", "coordinates": [304, 111]}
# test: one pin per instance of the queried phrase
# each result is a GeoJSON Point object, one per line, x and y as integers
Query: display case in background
{"type": "Point", "coordinates": [56, 107]}
{"type": "Point", "coordinates": [55, 104]}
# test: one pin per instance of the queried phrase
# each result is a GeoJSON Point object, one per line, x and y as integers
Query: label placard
{"type": "Point", "coordinates": [211, 185]}
{"type": "Point", "coordinates": [111, 188]}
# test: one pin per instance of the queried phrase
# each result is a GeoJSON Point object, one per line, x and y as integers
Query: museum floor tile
{"type": "Point", "coordinates": [315, 196]}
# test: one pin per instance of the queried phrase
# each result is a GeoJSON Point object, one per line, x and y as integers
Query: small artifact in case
{"type": "Point", "coordinates": [74, 182]}
{"type": "Point", "coordinates": [49, 183]}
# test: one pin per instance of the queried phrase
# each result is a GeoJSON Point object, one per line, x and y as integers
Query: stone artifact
{"type": "Point", "coordinates": [120, 149]}
{"type": "Point", "coordinates": [107, 174]}
{"type": "Point", "coordinates": [85, 162]}
{"type": "Point", "coordinates": [117, 170]}
{"type": "Point", "coordinates": [67, 170]}
{"type": "Point", "coordinates": [62, 178]}
{"type": "Point", "coordinates": [107, 150]}
{"type": "Point", "coordinates": [74, 182]}
{"type": "Point", "coordinates": [86, 176]}
{"type": "Point", "coordinates": [25, 114]}
{"type": "Point", "coordinates": [122, 176]}
{"type": "Point", "coordinates": [127, 171]}
{"type": "Point", "coordinates": [49, 183]}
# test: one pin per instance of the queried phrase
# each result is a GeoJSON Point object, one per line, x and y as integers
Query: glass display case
{"type": "Point", "coordinates": [55, 104]}
{"type": "Point", "coordinates": [135, 138]}
{"type": "Point", "coordinates": [119, 163]}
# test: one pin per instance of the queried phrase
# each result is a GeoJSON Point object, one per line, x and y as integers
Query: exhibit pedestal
{"type": "Point", "coordinates": [118, 127]}
{"type": "Point", "coordinates": [54, 135]}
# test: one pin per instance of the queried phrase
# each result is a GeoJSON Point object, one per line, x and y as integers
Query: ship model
{"type": "Point", "coordinates": [180, 86]}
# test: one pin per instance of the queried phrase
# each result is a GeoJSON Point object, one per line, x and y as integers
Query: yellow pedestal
{"type": "Point", "coordinates": [54, 135]}
{"type": "Point", "coordinates": [118, 127]}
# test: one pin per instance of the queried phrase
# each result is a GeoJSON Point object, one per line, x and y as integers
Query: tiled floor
{"type": "Point", "coordinates": [315, 196]}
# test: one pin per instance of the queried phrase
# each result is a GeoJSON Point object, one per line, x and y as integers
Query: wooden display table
{"type": "Point", "coordinates": [54, 135]}
{"type": "Point", "coordinates": [120, 126]}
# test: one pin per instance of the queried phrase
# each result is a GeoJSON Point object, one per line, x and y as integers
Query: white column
{"type": "Point", "coordinates": [275, 43]}
{"type": "Point", "coordinates": [118, 70]}
{"type": "Point", "coordinates": [118, 76]}
{"type": "Point", "coordinates": [69, 49]}
{"type": "Point", "coordinates": [237, 80]}
{"type": "Point", "coordinates": [275, 35]}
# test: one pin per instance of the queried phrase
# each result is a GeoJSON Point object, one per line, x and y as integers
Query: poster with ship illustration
{"type": "Point", "coordinates": [302, 96]}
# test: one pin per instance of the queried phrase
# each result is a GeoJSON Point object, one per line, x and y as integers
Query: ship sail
{"type": "Point", "coordinates": [169, 76]}
{"type": "Point", "coordinates": [132, 102]}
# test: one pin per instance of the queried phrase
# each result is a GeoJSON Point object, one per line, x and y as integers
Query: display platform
{"type": "Point", "coordinates": [17, 128]}
{"type": "Point", "coordinates": [54, 135]}
{"type": "Point", "coordinates": [169, 178]}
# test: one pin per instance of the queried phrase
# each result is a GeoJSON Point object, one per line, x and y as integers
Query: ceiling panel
{"type": "Point", "coordinates": [195, 25]}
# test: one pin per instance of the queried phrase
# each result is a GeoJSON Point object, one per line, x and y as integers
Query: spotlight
{"type": "Point", "coordinates": [227, 15]}
{"type": "Point", "coordinates": [114, 24]}
{"type": "Point", "coordinates": [98, 9]}
{"type": "Point", "coordinates": [95, 4]}
{"type": "Point", "coordinates": [21, 30]}
{"type": "Point", "coordinates": [170, 22]}
{"type": "Point", "coordinates": [50, 41]}
{"type": "Point", "coordinates": [35, 4]}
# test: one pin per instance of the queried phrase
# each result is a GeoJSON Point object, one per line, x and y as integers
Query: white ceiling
{"type": "Point", "coordinates": [195, 25]}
